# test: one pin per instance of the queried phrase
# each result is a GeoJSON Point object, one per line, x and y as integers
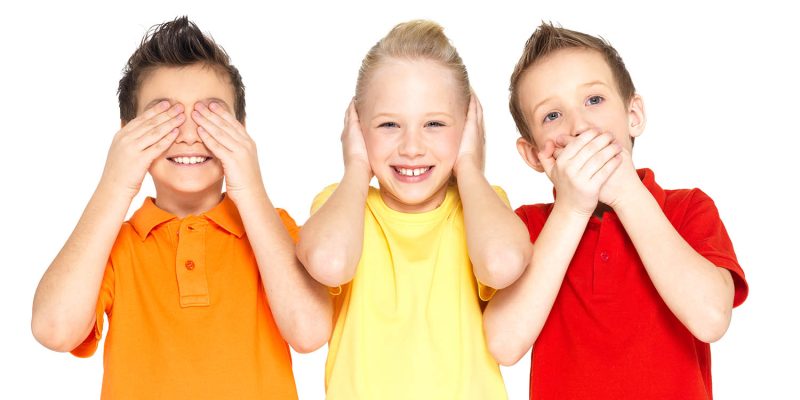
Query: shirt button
{"type": "Point", "coordinates": [604, 256]}
{"type": "Point", "coordinates": [189, 264]}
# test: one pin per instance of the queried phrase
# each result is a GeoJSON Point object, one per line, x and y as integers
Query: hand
{"type": "Point", "coordinates": [472, 151]}
{"type": "Point", "coordinates": [138, 144]}
{"type": "Point", "coordinates": [228, 140]}
{"type": "Point", "coordinates": [621, 182]}
{"type": "Point", "coordinates": [354, 150]}
{"type": "Point", "coordinates": [579, 166]}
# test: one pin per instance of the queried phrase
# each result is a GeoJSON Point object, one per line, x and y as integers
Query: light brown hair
{"type": "Point", "coordinates": [549, 38]}
{"type": "Point", "coordinates": [417, 39]}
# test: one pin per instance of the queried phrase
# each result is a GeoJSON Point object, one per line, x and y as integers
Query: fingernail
{"type": "Point", "coordinates": [213, 106]}
{"type": "Point", "coordinates": [198, 106]}
{"type": "Point", "coordinates": [180, 116]}
{"type": "Point", "coordinates": [196, 114]}
{"type": "Point", "coordinates": [163, 105]}
{"type": "Point", "coordinates": [179, 107]}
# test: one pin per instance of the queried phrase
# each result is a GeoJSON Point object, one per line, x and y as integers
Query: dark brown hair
{"type": "Point", "coordinates": [549, 38]}
{"type": "Point", "coordinates": [175, 44]}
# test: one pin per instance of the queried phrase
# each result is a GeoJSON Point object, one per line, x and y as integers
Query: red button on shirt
{"type": "Point", "coordinates": [189, 264]}
{"type": "Point", "coordinates": [609, 334]}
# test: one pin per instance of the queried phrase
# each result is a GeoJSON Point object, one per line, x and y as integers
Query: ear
{"type": "Point", "coordinates": [530, 154]}
{"type": "Point", "coordinates": [636, 116]}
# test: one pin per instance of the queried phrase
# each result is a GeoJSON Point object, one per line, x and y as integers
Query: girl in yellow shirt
{"type": "Point", "coordinates": [412, 262]}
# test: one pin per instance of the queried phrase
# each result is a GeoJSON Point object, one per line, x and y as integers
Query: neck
{"type": "Point", "coordinates": [183, 204]}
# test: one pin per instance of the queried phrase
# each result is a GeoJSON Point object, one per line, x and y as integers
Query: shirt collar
{"type": "Point", "coordinates": [224, 214]}
{"type": "Point", "coordinates": [649, 181]}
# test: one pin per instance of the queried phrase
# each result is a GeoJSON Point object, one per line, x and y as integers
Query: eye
{"type": "Point", "coordinates": [594, 100]}
{"type": "Point", "coordinates": [552, 116]}
{"type": "Point", "coordinates": [435, 124]}
{"type": "Point", "coordinates": [389, 125]}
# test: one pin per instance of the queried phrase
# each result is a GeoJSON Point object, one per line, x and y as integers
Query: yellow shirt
{"type": "Point", "coordinates": [409, 324]}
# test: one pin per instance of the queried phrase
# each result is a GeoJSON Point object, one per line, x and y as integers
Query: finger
{"type": "Point", "coordinates": [160, 147]}
{"type": "Point", "coordinates": [546, 157]}
{"type": "Point", "coordinates": [146, 126]}
{"type": "Point", "coordinates": [602, 175]}
{"type": "Point", "coordinates": [237, 129]}
{"type": "Point", "coordinates": [158, 132]}
{"type": "Point", "coordinates": [151, 112]}
{"type": "Point", "coordinates": [599, 159]}
{"type": "Point", "coordinates": [595, 145]}
{"type": "Point", "coordinates": [221, 135]}
{"type": "Point", "coordinates": [210, 118]}
{"type": "Point", "coordinates": [575, 143]}
{"type": "Point", "coordinates": [213, 145]}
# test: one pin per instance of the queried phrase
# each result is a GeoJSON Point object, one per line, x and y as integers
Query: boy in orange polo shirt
{"type": "Point", "coordinates": [186, 282]}
{"type": "Point", "coordinates": [628, 282]}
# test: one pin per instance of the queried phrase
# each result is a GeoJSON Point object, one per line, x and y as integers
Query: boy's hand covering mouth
{"type": "Point", "coordinates": [140, 142]}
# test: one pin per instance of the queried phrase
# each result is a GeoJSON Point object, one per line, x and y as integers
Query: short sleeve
{"type": "Point", "coordinates": [319, 200]}
{"type": "Point", "coordinates": [322, 197]}
{"type": "Point", "coordinates": [105, 300]}
{"type": "Point", "coordinates": [485, 293]}
{"type": "Point", "coordinates": [702, 228]}
{"type": "Point", "coordinates": [289, 224]}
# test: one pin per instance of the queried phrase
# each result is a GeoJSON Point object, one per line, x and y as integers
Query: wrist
{"type": "Point", "coordinates": [467, 166]}
{"type": "Point", "coordinates": [631, 197]}
{"type": "Point", "coordinates": [571, 212]}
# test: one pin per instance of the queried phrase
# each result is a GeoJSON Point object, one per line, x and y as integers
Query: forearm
{"type": "Point", "coordinates": [497, 240]}
{"type": "Point", "coordinates": [699, 293]}
{"type": "Point", "coordinates": [65, 300]}
{"type": "Point", "coordinates": [515, 316]}
{"type": "Point", "coordinates": [331, 240]}
{"type": "Point", "coordinates": [300, 305]}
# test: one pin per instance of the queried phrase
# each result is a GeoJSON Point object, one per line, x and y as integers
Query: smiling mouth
{"type": "Point", "coordinates": [412, 172]}
{"type": "Point", "coordinates": [192, 160]}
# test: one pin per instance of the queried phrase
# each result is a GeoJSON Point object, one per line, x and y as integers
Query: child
{"type": "Point", "coordinates": [628, 282]}
{"type": "Point", "coordinates": [183, 289]}
{"type": "Point", "coordinates": [406, 260]}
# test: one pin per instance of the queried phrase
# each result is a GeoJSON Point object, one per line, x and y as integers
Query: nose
{"type": "Point", "coordinates": [411, 143]}
{"type": "Point", "coordinates": [581, 122]}
{"type": "Point", "coordinates": [187, 132]}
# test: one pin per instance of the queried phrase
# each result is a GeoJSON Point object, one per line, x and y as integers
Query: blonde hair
{"type": "Point", "coordinates": [417, 39]}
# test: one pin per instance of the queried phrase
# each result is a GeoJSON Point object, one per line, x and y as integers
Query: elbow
{"type": "Point", "coordinates": [504, 350]}
{"type": "Point", "coordinates": [330, 268]}
{"type": "Point", "coordinates": [712, 326]}
{"type": "Point", "coordinates": [53, 334]}
{"type": "Point", "coordinates": [504, 344]}
{"type": "Point", "coordinates": [502, 268]}
{"type": "Point", "coordinates": [310, 335]}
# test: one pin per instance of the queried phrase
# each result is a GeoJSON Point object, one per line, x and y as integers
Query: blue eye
{"type": "Point", "coordinates": [552, 116]}
{"type": "Point", "coordinates": [594, 100]}
{"type": "Point", "coordinates": [389, 125]}
{"type": "Point", "coordinates": [435, 124]}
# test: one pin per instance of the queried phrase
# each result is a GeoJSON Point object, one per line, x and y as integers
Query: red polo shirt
{"type": "Point", "coordinates": [609, 334]}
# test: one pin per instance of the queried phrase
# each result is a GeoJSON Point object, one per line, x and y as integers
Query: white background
{"type": "Point", "coordinates": [720, 85]}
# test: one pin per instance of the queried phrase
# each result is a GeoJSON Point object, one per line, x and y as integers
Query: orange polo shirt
{"type": "Point", "coordinates": [187, 312]}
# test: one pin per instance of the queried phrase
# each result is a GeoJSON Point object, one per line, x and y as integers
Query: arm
{"type": "Point", "coordinates": [515, 316]}
{"type": "Point", "coordinates": [699, 293]}
{"type": "Point", "coordinates": [66, 298]}
{"type": "Point", "coordinates": [331, 240]}
{"type": "Point", "coordinates": [301, 306]}
{"type": "Point", "coordinates": [497, 240]}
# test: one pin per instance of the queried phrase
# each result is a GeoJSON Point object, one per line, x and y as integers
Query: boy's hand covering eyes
{"type": "Point", "coordinates": [227, 138]}
{"type": "Point", "coordinates": [138, 144]}
{"type": "Point", "coordinates": [354, 150]}
{"type": "Point", "coordinates": [579, 166]}
{"type": "Point", "coordinates": [472, 151]}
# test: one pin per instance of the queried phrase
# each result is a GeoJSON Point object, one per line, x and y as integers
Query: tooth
{"type": "Point", "coordinates": [417, 171]}
{"type": "Point", "coordinates": [195, 160]}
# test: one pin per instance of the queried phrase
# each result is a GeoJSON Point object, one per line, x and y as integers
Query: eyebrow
{"type": "Point", "coordinates": [206, 100]}
{"type": "Point", "coordinates": [427, 115]}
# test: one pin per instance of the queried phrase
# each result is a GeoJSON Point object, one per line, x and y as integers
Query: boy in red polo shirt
{"type": "Point", "coordinates": [200, 287]}
{"type": "Point", "coordinates": [628, 282]}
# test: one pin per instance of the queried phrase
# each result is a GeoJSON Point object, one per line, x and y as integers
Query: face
{"type": "Point", "coordinates": [412, 118]}
{"type": "Point", "coordinates": [187, 167]}
{"type": "Point", "coordinates": [570, 92]}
